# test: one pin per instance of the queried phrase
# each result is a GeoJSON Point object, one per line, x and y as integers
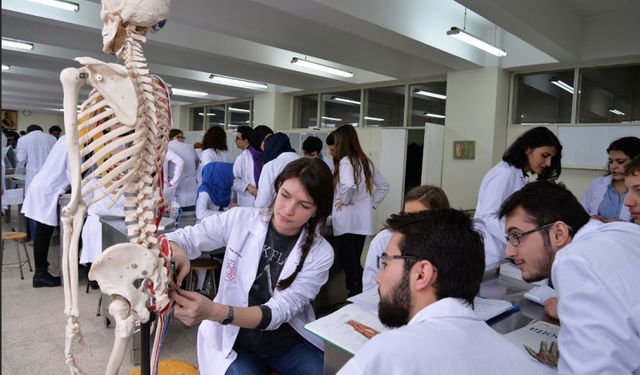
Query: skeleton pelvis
{"type": "Point", "coordinates": [126, 270]}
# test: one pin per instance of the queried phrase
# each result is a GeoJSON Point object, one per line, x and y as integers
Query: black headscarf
{"type": "Point", "coordinates": [276, 145]}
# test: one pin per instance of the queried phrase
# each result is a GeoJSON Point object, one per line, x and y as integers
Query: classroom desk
{"type": "Point", "coordinates": [493, 286]}
{"type": "Point", "coordinates": [113, 232]}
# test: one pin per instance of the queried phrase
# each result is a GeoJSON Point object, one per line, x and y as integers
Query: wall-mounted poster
{"type": "Point", "coordinates": [9, 119]}
{"type": "Point", "coordinates": [464, 149]}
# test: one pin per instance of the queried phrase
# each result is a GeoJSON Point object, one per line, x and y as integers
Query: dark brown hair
{"type": "Point", "coordinates": [430, 196]}
{"type": "Point", "coordinates": [215, 138]}
{"type": "Point", "coordinates": [347, 144]}
{"type": "Point", "coordinates": [174, 132]}
{"type": "Point", "coordinates": [632, 167]}
{"type": "Point", "coordinates": [315, 176]}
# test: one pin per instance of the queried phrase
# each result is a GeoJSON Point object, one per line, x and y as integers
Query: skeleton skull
{"type": "Point", "coordinates": [146, 15]}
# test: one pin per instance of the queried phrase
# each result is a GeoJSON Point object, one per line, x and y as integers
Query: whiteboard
{"type": "Point", "coordinates": [585, 146]}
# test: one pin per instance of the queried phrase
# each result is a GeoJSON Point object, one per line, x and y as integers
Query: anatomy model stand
{"type": "Point", "coordinates": [120, 140]}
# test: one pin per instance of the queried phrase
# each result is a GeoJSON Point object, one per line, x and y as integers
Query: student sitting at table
{"type": "Point", "coordinates": [421, 198]}
{"type": "Point", "coordinates": [275, 263]}
{"type": "Point", "coordinates": [429, 275]}
{"type": "Point", "coordinates": [594, 268]}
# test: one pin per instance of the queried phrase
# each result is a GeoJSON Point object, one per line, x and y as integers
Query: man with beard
{"type": "Point", "coordinates": [594, 267]}
{"type": "Point", "coordinates": [429, 275]}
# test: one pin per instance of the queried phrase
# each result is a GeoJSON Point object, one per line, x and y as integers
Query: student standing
{"type": "Point", "coordinates": [214, 147]}
{"type": "Point", "coordinates": [359, 189]}
{"type": "Point", "coordinates": [537, 151]}
{"type": "Point", "coordinates": [187, 186]}
{"type": "Point", "coordinates": [243, 182]}
{"type": "Point", "coordinates": [275, 263]}
{"type": "Point", "coordinates": [277, 154]}
{"type": "Point", "coordinates": [247, 170]}
{"type": "Point", "coordinates": [603, 199]}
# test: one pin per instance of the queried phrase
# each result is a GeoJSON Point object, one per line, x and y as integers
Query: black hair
{"type": "Point", "coordinates": [447, 239]}
{"type": "Point", "coordinates": [55, 128]}
{"type": "Point", "coordinates": [330, 141]}
{"type": "Point", "coordinates": [215, 138]}
{"type": "Point", "coordinates": [312, 144]}
{"type": "Point", "coordinates": [258, 135]}
{"type": "Point", "coordinates": [629, 145]}
{"type": "Point", "coordinates": [174, 132]}
{"type": "Point", "coordinates": [315, 176]}
{"type": "Point", "coordinates": [547, 202]}
{"type": "Point", "coordinates": [540, 136]}
{"type": "Point", "coordinates": [244, 131]}
{"type": "Point", "coordinates": [33, 127]}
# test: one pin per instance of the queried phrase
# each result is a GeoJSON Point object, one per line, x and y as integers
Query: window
{"type": "Point", "coordinates": [197, 118]}
{"type": "Point", "coordinates": [239, 114]}
{"type": "Point", "coordinates": [306, 110]}
{"type": "Point", "coordinates": [543, 98]}
{"type": "Point", "coordinates": [385, 106]}
{"type": "Point", "coordinates": [428, 104]}
{"type": "Point", "coordinates": [341, 108]}
{"type": "Point", "coordinates": [609, 94]}
{"type": "Point", "coordinates": [215, 116]}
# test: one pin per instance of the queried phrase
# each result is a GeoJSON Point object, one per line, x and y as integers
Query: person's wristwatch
{"type": "Point", "coordinates": [229, 318]}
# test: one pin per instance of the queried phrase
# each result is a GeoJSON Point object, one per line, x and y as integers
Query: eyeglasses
{"type": "Point", "coordinates": [514, 238]}
{"type": "Point", "coordinates": [384, 258]}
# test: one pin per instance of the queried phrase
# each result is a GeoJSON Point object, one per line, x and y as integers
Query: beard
{"type": "Point", "coordinates": [543, 266]}
{"type": "Point", "coordinates": [393, 311]}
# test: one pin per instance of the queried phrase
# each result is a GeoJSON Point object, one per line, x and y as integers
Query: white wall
{"type": "Point", "coordinates": [476, 111]}
{"type": "Point", "coordinates": [180, 114]}
{"type": "Point", "coordinates": [44, 119]}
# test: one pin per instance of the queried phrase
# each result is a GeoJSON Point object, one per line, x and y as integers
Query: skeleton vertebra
{"type": "Point", "coordinates": [122, 139]}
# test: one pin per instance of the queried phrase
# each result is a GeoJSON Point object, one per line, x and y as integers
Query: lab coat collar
{"type": "Point", "coordinates": [445, 308]}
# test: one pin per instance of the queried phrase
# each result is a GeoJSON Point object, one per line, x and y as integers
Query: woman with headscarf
{"type": "Point", "coordinates": [248, 166]}
{"type": "Point", "coordinates": [277, 154]}
{"type": "Point", "coordinates": [214, 194]}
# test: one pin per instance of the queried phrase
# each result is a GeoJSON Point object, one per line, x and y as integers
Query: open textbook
{"type": "Point", "coordinates": [540, 294]}
{"type": "Point", "coordinates": [539, 340]}
{"type": "Point", "coordinates": [353, 325]}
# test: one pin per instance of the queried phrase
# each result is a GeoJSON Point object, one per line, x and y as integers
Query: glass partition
{"type": "Point", "coordinates": [609, 94]}
{"type": "Point", "coordinates": [385, 106]}
{"type": "Point", "coordinates": [340, 108]}
{"type": "Point", "coordinates": [428, 104]}
{"type": "Point", "coordinates": [543, 98]}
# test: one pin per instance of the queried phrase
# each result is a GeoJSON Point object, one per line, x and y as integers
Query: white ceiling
{"type": "Point", "coordinates": [377, 40]}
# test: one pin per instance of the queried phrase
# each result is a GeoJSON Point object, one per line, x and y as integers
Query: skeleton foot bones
{"type": "Point", "coordinates": [120, 141]}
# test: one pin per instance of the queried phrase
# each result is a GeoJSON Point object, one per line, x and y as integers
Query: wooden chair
{"type": "Point", "coordinates": [19, 238]}
{"type": "Point", "coordinates": [204, 264]}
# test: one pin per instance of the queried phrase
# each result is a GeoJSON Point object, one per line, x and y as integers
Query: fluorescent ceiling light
{"type": "Point", "coordinates": [331, 118]}
{"type": "Point", "coordinates": [476, 42]}
{"type": "Point", "coordinates": [431, 94]}
{"type": "Point", "coordinates": [229, 81]}
{"type": "Point", "coordinates": [239, 110]}
{"type": "Point", "coordinates": [616, 112]}
{"type": "Point", "coordinates": [5, 67]}
{"type": "Point", "coordinates": [12, 43]}
{"type": "Point", "coordinates": [208, 114]}
{"type": "Point", "coordinates": [323, 68]}
{"type": "Point", "coordinates": [562, 85]}
{"type": "Point", "coordinates": [373, 118]}
{"type": "Point", "coordinates": [183, 92]}
{"type": "Point", "coordinates": [435, 115]}
{"type": "Point", "coordinates": [61, 4]}
{"type": "Point", "coordinates": [345, 100]}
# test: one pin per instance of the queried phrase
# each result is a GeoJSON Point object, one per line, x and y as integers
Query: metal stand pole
{"type": "Point", "coordinates": [145, 346]}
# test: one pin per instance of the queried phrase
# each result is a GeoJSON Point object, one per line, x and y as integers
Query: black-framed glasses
{"type": "Point", "coordinates": [384, 258]}
{"type": "Point", "coordinates": [514, 238]}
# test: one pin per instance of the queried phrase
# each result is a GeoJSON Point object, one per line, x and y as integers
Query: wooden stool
{"type": "Point", "coordinates": [20, 238]}
{"type": "Point", "coordinates": [171, 367]}
{"type": "Point", "coordinates": [204, 264]}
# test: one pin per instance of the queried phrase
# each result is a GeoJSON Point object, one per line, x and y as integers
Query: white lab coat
{"type": "Point", "coordinates": [597, 278]}
{"type": "Point", "coordinates": [243, 177]}
{"type": "Point", "coordinates": [174, 163]}
{"type": "Point", "coordinates": [357, 215]}
{"type": "Point", "coordinates": [270, 171]}
{"type": "Point", "coordinates": [187, 187]}
{"type": "Point", "coordinates": [594, 195]}
{"type": "Point", "coordinates": [92, 229]}
{"type": "Point", "coordinates": [41, 199]}
{"type": "Point", "coordinates": [376, 248]}
{"type": "Point", "coordinates": [210, 155]}
{"type": "Point", "coordinates": [243, 231]}
{"type": "Point", "coordinates": [497, 185]}
{"type": "Point", "coordinates": [31, 153]}
{"type": "Point", "coordinates": [445, 337]}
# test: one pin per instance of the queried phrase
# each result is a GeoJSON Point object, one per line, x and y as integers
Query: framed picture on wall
{"type": "Point", "coordinates": [464, 150]}
{"type": "Point", "coordinates": [9, 119]}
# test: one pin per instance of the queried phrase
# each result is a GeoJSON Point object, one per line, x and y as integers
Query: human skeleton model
{"type": "Point", "coordinates": [120, 141]}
